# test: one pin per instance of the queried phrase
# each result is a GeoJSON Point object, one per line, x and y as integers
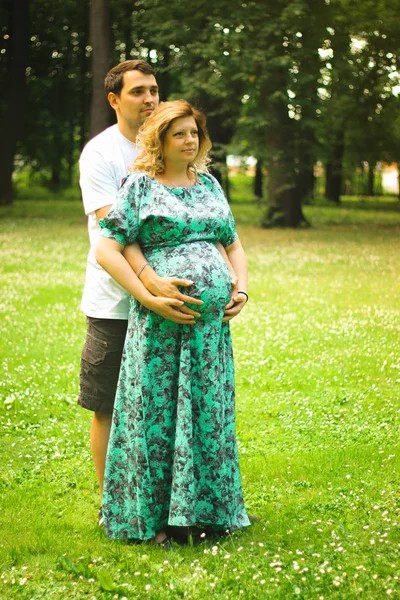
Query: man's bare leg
{"type": "Point", "coordinates": [99, 436]}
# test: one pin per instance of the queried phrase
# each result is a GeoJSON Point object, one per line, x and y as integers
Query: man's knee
{"type": "Point", "coordinates": [102, 419]}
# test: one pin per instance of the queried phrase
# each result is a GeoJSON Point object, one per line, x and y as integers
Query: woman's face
{"type": "Point", "coordinates": [181, 142]}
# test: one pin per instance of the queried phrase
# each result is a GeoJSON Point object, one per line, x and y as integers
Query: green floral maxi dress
{"type": "Point", "coordinates": [172, 456]}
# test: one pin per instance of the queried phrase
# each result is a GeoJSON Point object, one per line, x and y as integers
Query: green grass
{"type": "Point", "coordinates": [318, 382]}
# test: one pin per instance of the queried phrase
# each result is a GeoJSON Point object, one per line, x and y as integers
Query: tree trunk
{"type": "Point", "coordinates": [217, 174]}
{"type": "Point", "coordinates": [218, 166]}
{"type": "Point", "coordinates": [164, 76]}
{"type": "Point", "coordinates": [70, 153]}
{"type": "Point", "coordinates": [11, 121]}
{"type": "Point", "coordinates": [371, 179]}
{"type": "Point", "coordinates": [258, 182]}
{"type": "Point", "coordinates": [334, 170]}
{"type": "Point", "coordinates": [284, 200]}
{"type": "Point", "coordinates": [227, 186]}
{"type": "Point", "coordinates": [360, 180]}
{"type": "Point", "coordinates": [55, 180]}
{"type": "Point", "coordinates": [328, 178]}
{"type": "Point", "coordinates": [100, 34]}
{"type": "Point", "coordinates": [306, 144]}
{"type": "Point", "coordinates": [305, 183]}
{"type": "Point", "coordinates": [398, 180]}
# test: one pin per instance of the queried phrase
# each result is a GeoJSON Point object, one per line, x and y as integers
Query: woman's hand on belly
{"type": "Point", "coordinates": [234, 306]}
{"type": "Point", "coordinates": [172, 310]}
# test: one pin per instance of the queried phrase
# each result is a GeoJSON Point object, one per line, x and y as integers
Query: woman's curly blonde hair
{"type": "Point", "coordinates": [152, 134]}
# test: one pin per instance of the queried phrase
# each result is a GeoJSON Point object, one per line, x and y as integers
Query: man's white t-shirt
{"type": "Point", "coordinates": [103, 164]}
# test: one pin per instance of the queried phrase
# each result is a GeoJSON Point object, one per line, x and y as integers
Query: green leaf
{"type": "Point", "coordinates": [105, 580]}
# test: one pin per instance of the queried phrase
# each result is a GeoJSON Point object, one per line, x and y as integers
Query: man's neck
{"type": "Point", "coordinates": [128, 132]}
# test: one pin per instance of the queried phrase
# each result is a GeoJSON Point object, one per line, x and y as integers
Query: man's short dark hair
{"type": "Point", "coordinates": [114, 80]}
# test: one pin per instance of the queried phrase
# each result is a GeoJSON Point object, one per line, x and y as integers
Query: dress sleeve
{"type": "Point", "coordinates": [228, 233]}
{"type": "Point", "coordinates": [123, 220]}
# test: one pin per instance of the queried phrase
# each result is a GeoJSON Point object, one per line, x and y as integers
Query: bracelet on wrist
{"type": "Point", "coordinates": [138, 274]}
{"type": "Point", "coordinates": [245, 294]}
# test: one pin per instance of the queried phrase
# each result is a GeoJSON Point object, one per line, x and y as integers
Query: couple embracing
{"type": "Point", "coordinates": [157, 366]}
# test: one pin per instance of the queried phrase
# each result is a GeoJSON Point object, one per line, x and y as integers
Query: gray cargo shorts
{"type": "Point", "coordinates": [100, 363]}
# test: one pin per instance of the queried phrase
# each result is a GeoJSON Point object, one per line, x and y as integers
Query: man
{"type": "Point", "coordinates": [132, 92]}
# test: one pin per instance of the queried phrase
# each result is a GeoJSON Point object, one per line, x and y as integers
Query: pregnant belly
{"type": "Point", "coordinates": [203, 264]}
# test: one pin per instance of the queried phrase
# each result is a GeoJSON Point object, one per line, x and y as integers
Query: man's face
{"type": "Point", "coordinates": [137, 99]}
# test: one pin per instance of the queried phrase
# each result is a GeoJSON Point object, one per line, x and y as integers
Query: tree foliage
{"type": "Point", "coordinates": [289, 82]}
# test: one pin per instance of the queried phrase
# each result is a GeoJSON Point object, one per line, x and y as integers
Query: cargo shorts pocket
{"type": "Point", "coordinates": [99, 352]}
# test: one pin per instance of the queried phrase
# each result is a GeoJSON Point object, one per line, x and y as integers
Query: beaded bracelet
{"type": "Point", "coordinates": [247, 298]}
{"type": "Point", "coordinates": [141, 269]}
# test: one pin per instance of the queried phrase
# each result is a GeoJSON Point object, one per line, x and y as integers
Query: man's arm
{"type": "Point", "coordinates": [166, 287]}
{"type": "Point", "coordinates": [158, 286]}
{"type": "Point", "coordinates": [109, 256]}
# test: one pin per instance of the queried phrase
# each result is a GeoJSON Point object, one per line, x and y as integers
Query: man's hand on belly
{"type": "Point", "coordinates": [167, 287]}
{"type": "Point", "coordinates": [172, 309]}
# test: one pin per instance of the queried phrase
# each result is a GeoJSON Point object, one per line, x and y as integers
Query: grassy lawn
{"type": "Point", "coordinates": [318, 386]}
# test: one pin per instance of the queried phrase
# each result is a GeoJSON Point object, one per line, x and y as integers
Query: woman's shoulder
{"type": "Point", "coordinates": [137, 181]}
{"type": "Point", "coordinates": [211, 183]}
{"type": "Point", "coordinates": [207, 178]}
{"type": "Point", "coordinates": [135, 177]}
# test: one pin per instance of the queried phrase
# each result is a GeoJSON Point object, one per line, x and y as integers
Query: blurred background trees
{"type": "Point", "coordinates": [300, 85]}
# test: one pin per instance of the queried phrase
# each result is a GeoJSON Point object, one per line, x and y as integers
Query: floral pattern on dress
{"type": "Point", "coordinates": [172, 456]}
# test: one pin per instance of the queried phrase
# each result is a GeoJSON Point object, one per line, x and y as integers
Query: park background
{"type": "Point", "coordinates": [309, 90]}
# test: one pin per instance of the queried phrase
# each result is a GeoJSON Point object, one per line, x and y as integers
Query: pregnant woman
{"type": "Point", "coordinates": [172, 457]}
